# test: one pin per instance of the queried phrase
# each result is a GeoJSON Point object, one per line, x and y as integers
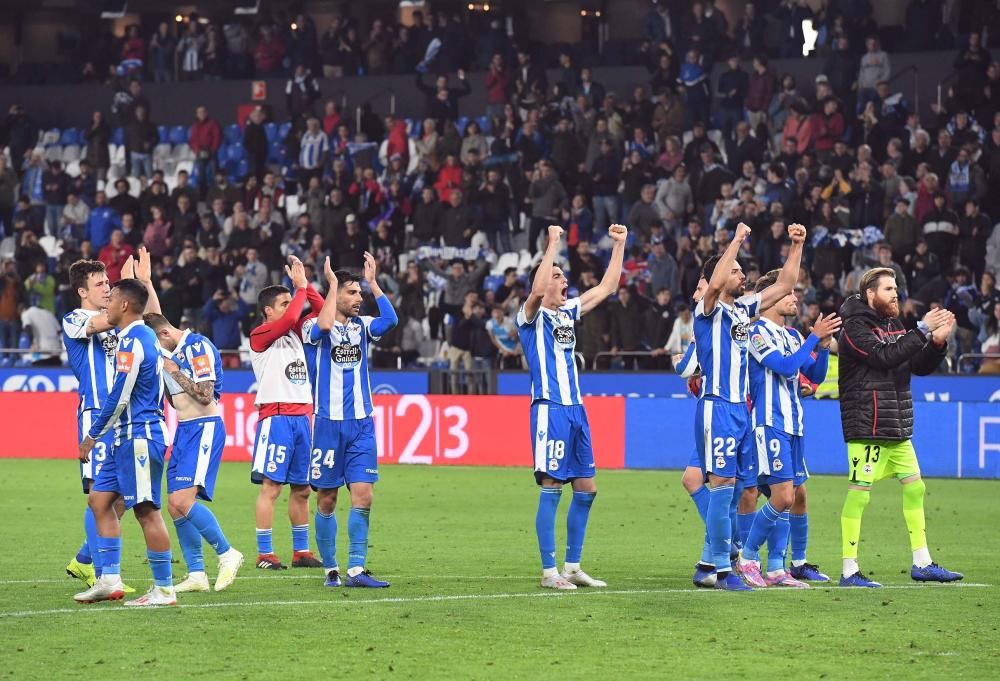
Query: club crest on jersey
{"type": "Point", "coordinates": [346, 354]}
{"type": "Point", "coordinates": [109, 343]}
{"type": "Point", "coordinates": [76, 318]}
{"type": "Point", "coordinates": [564, 335]}
{"type": "Point", "coordinates": [757, 342]}
{"type": "Point", "coordinates": [740, 332]}
{"type": "Point", "coordinates": [296, 372]}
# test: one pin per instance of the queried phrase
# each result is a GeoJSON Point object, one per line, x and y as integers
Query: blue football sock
{"type": "Point", "coordinates": [264, 541]}
{"type": "Point", "coordinates": [110, 551]}
{"type": "Point", "coordinates": [799, 528]}
{"type": "Point", "coordinates": [777, 542]}
{"type": "Point", "coordinates": [190, 540]}
{"type": "Point", "coordinates": [744, 521]}
{"type": "Point", "coordinates": [700, 499]}
{"type": "Point", "coordinates": [719, 525]}
{"type": "Point", "coordinates": [326, 538]}
{"type": "Point", "coordinates": [300, 537]}
{"type": "Point", "coordinates": [88, 552]}
{"type": "Point", "coordinates": [734, 510]}
{"type": "Point", "coordinates": [159, 563]}
{"type": "Point", "coordinates": [576, 524]}
{"type": "Point", "coordinates": [357, 536]}
{"type": "Point", "coordinates": [203, 519]}
{"type": "Point", "coordinates": [761, 525]}
{"type": "Point", "coordinates": [545, 525]}
{"type": "Point", "coordinates": [706, 551]}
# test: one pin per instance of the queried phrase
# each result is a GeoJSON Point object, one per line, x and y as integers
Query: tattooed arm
{"type": "Point", "coordinates": [202, 392]}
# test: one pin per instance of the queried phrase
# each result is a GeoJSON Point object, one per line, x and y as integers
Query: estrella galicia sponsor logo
{"type": "Point", "coordinates": [740, 332]}
{"type": "Point", "coordinates": [346, 355]}
{"type": "Point", "coordinates": [296, 372]}
{"type": "Point", "coordinates": [109, 343]}
{"type": "Point", "coordinates": [565, 335]}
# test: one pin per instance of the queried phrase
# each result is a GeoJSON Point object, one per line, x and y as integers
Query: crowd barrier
{"type": "Point", "coordinates": [941, 388]}
{"type": "Point", "coordinates": [953, 439]}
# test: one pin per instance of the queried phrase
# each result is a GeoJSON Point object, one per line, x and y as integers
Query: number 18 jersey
{"type": "Point", "coordinates": [549, 343]}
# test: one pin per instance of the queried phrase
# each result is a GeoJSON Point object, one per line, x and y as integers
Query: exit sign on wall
{"type": "Point", "coordinates": [258, 90]}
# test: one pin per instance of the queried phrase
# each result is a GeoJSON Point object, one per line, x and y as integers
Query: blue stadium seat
{"type": "Point", "coordinates": [283, 130]}
{"type": "Point", "coordinates": [271, 130]}
{"type": "Point", "coordinates": [179, 134]}
{"type": "Point", "coordinates": [462, 122]}
{"type": "Point", "coordinates": [485, 124]}
{"type": "Point", "coordinates": [242, 170]}
{"type": "Point", "coordinates": [233, 134]}
{"type": "Point", "coordinates": [68, 137]}
{"type": "Point", "coordinates": [222, 155]}
{"type": "Point", "coordinates": [118, 136]}
{"type": "Point", "coordinates": [414, 126]}
{"type": "Point", "coordinates": [274, 153]}
{"type": "Point", "coordinates": [236, 152]}
{"type": "Point", "coordinates": [164, 132]}
{"type": "Point", "coordinates": [492, 282]}
{"type": "Point", "coordinates": [51, 137]}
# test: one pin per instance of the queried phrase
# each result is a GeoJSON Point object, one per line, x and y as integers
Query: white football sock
{"type": "Point", "coordinates": [549, 572]}
{"type": "Point", "coordinates": [850, 566]}
{"type": "Point", "coordinates": [355, 571]}
{"type": "Point", "coordinates": [798, 563]}
{"type": "Point", "coordinates": [570, 568]}
{"type": "Point", "coordinates": [922, 557]}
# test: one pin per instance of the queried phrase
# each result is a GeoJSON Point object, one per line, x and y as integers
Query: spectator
{"type": "Point", "coordinates": [75, 217]}
{"type": "Point", "coordinates": [162, 47]}
{"type": "Point", "coordinates": [901, 229]}
{"type": "Point", "coordinates": [663, 271]}
{"type": "Point", "coordinates": [141, 136]}
{"type": "Point", "coordinates": [644, 214]}
{"type": "Point", "coordinates": [56, 189]}
{"type": "Point", "coordinates": [791, 14]}
{"type": "Point", "coordinates": [494, 200]}
{"type": "Point", "coordinates": [222, 313]}
{"type": "Point", "coordinates": [301, 93]}
{"type": "Point", "coordinates": [626, 326]}
{"type": "Point", "coordinates": [190, 52]}
{"type": "Point", "coordinates": [11, 297]}
{"type": "Point", "coordinates": [693, 84]}
{"type": "Point", "coordinates": [8, 195]}
{"type": "Point", "coordinates": [732, 91]}
{"type": "Point", "coordinates": [256, 144]}
{"type": "Point", "coordinates": [875, 68]}
{"type": "Point", "coordinates": [314, 152]}
{"type": "Point", "coordinates": [98, 137]}
{"type": "Point", "coordinates": [460, 350]}
{"type": "Point", "coordinates": [40, 288]}
{"type": "Point", "coordinates": [459, 282]}
{"type": "Point", "coordinates": [749, 35]}
{"type": "Point", "coordinates": [974, 229]}
{"type": "Point", "coordinates": [349, 252]}
{"type": "Point", "coordinates": [682, 333]}
{"type": "Point", "coordinates": [114, 254]}
{"type": "Point", "coordinates": [498, 87]}
{"type": "Point", "coordinates": [458, 221]}
{"type": "Point", "coordinates": [205, 138]}
{"type": "Point", "coordinates": [46, 340]}
{"type": "Point", "coordinates": [268, 53]}
{"type": "Point", "coordinates": [441, 102]}
{"type": "Point", "coordinates": [547, 197]}
{"type": "Point", "coordinates": [940, 229]}
{"type": "Point", "coordinates": [504, 336]}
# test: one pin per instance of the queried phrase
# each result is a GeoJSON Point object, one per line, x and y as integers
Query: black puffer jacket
{"type": "Point", "coordinates": [877, 357]}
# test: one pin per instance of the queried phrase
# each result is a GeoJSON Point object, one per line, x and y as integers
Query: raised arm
{"type": "Point", "coordinates": [723, 269]}
{"type": "Point", "coordinates": [543, 274]}
{"type": "Point", "coordinates": [328, 311]}
{"type": "Point", "coordinates": [387, 318]}
{"type": "Point", "coordinates": [144, 273]}
{"type": "Point", "coordinates": [264, 335]}
{"type": "Point", "coordinates": [127, 366]}
{"type": "Point", "coordinates": [789, 271]}
{"type": "Point", "coordinates": [609, 282]}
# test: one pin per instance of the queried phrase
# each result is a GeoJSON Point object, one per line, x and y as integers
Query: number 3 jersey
{"type": "Point", "coordinates": [341, 387]}
{"type": "Point", "coordinates": [721, 341]}
{"type": "Point", "coordinates": [549, 342]}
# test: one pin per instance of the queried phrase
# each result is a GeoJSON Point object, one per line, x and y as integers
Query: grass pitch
{"type": "Point", "coordinates": [458, 545]}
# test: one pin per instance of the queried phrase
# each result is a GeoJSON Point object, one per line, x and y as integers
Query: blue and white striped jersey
{"type": "Point", "coordinates": [342, 388]}
{"type": "Point", "coordinates": [549, 342]}
{"type": "Point", "coordinates": [311, 149]}
{"type": "Point", "coordinates": [688, 366]}
{"type": "Point", "coordinates": [134, 407]}
{"type": "Point", "coordinates": [200, 361]}
{"type": "Point", "coordinates": [721, 340]}
{"type": "Point", "coordinates": [775, 397]}
{"type": "Point", "coordinates": [92, 358]}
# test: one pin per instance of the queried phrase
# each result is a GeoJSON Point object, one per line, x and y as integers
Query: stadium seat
{"type": "Point", "coordinates": [134, 186]}
{"type": "Point", "coordinates": [462, 122]}
{"type": "Point", "coordinates": [504, 261]}
{"type": "Point", "coordinates": [236, 152]}
{"type": "Point", "coordinates": [283, 131]}
{"type": "Point", "coordinates": [68, 137]}
{"type": "Point", "coordinates": [50, 245]}
{"type": "Point", "coordinates": [7, 248]}
{"type": "Point", "coordinates": [242, 170]}
{"type": "Point", "coordinates": [71, 154]}
{"type": "Point", "coordinates": [51, 137]}
{"type": "Point", "coordinates": [527, 261]}
{"type": "Point", "coordinates": [179, 134]}
{"type": "Point", "coordinates": [182, 152]}
{"type": "Point", "coordinates": [53, 153]}
{"type": "Point", "coordinates": [116, 153]}
{"type": "Point", "coordinates": [72, 167]}
{"type": "Point", "coordinates": [492, 282]}
{"type": "Point", "coordinates": [292, 206]}
{"type": "Point", "coordinates": [164, 133]}
{"type": "Point", "coordinates": [233, 134]}
{"type": "Point", "coordinates": [161, 152]}
{"type": "Point", "coordinates": [485, 124]}
{"type": "Point", "coordinates": [414, 127]}
{"type": "Point", "coordinates": [118, 136]}
{"type": "Point", "coordinates": [271, 130]}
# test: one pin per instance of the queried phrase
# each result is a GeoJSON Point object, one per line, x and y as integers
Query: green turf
{"type": "Point", "coordinates": [459, 546]}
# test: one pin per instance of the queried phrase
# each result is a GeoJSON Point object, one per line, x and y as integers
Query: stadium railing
{"type": "Point", "coordinates": [608, 355]}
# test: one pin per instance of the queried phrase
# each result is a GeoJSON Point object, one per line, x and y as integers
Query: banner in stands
{"type": "Point", "coordinates": [410, 429]}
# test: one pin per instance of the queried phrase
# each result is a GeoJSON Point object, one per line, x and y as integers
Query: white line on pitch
{"type": "Point", "coordinates": [416, 599]}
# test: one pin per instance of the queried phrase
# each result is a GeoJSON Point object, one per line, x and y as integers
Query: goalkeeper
{"type": "Point", "coordinates": [877, 356]}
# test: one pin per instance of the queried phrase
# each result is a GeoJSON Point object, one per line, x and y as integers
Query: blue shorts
{"type": "Point", "coordinates": [343, 452]}
{"type": "Point", "coordinates": [725, 440]}
{"type": "Point", "coordinates": [133, 470]}
{"type": "Point", "coordinates": [780, 456]}
{"type": "Point", "coordinates": [561, 444]}
{"type": "Point", "coordinates": [197, 453]}
{"type": "Point", "coordinates": [281, 450]}
{"type": "Point", "coordinates": [99, 454]}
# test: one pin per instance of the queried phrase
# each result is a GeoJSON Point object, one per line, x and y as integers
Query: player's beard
{"type": "Point", "coordinates": [885, 308]}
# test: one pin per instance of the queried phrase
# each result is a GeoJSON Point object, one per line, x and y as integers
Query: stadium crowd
{"type": "Point", "coordinates": [453, 205]}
